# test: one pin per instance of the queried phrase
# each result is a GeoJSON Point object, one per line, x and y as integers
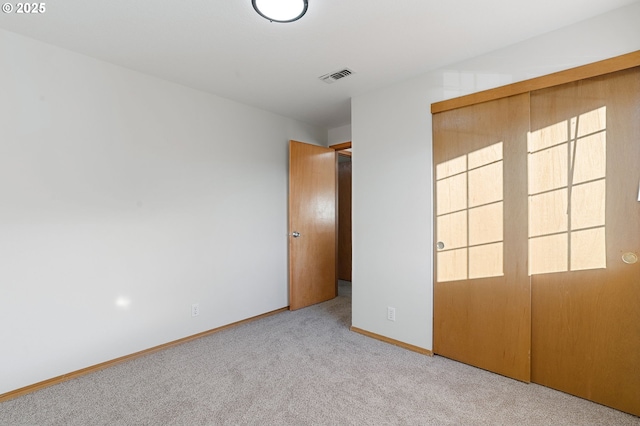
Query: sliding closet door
{"type": "Point", "coordinates": [584, 238]}
{"type": "Point", "coordinates": [481, 291]}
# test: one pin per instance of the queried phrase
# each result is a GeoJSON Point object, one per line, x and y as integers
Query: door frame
{"type": "Point", "coordinates": [339, 149]}
{"type": "Point", "coordinates": [343, 149]}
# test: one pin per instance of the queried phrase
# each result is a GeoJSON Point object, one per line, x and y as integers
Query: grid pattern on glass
{"type": "Point", "coordinates": [567, 194]}
{"type": "Point", "coordinates": [469, 197]}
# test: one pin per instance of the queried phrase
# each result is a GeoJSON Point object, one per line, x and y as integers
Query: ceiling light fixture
{"type": "Point", "coordinates": [281, 10]}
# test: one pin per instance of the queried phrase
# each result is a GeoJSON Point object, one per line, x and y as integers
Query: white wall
{"type": "Point", "coordinates": [339, 134]}
{"type": "Point", "coordinates": [115, 186]}
{"type": "Point", "coordinates": [391, 133]}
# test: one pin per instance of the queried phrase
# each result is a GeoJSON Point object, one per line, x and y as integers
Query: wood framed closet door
{"type": "Point", "coordinates": [584, 172]}
{"type": "Point", "coordinates": [482, 300]}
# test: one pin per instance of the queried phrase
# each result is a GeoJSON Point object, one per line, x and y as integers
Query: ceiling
{"type": "Point", "coordinates": [224, 47]}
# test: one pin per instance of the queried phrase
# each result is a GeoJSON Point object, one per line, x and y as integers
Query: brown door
{"type": "Point", "coordinates": [481, 291]}
{"type": "Point", "coordinates": [584, 237]}
{"type": "Point", "coordinates": [344, 217]}
{"type": "Point", "coordinates": [312, 224]}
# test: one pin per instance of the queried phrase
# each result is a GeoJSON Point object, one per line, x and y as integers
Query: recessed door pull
{"type": "Point", "coordinates": [630, 257]}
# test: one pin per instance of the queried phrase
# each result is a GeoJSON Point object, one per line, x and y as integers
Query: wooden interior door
{"type": "Point", "coordinates": [312, 224]}
{"type": "Point", "coordinates": [344, 218]}
{"type": "Point", "coordinates": [584, 167]}
{"type": "Point", "coordinates": [481, 291]}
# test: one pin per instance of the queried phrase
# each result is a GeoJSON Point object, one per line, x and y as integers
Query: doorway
{"type": "Point", "coordinates": [344, 216]}
{"type": "Point", "coordinates": [313, 222]}
{"type": "Point", "coordinates": [344, 156]}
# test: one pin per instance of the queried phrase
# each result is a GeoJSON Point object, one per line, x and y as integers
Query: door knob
{"type": "Point", "coordinates": [630, 257]}
{"type": "Point", "coordinates": [440, 245]}
{"type": "Point", "coordinates": [295, 234]}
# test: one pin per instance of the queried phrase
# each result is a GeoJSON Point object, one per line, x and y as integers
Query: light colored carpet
{"type": "Point", "coordinates": [299, 368]}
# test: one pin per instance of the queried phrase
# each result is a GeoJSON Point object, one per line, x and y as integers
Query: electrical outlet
{"type": "Point", "coordinates": [195, 310]}
{"type": "Point", "coordinates": [391, 313]}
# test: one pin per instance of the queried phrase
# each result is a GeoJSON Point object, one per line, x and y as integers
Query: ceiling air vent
{"type": "Point", "coordinates": [332, 77]}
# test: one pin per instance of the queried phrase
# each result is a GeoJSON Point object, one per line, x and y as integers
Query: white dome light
{"type": "Point", "coordinates": [280, 10]}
